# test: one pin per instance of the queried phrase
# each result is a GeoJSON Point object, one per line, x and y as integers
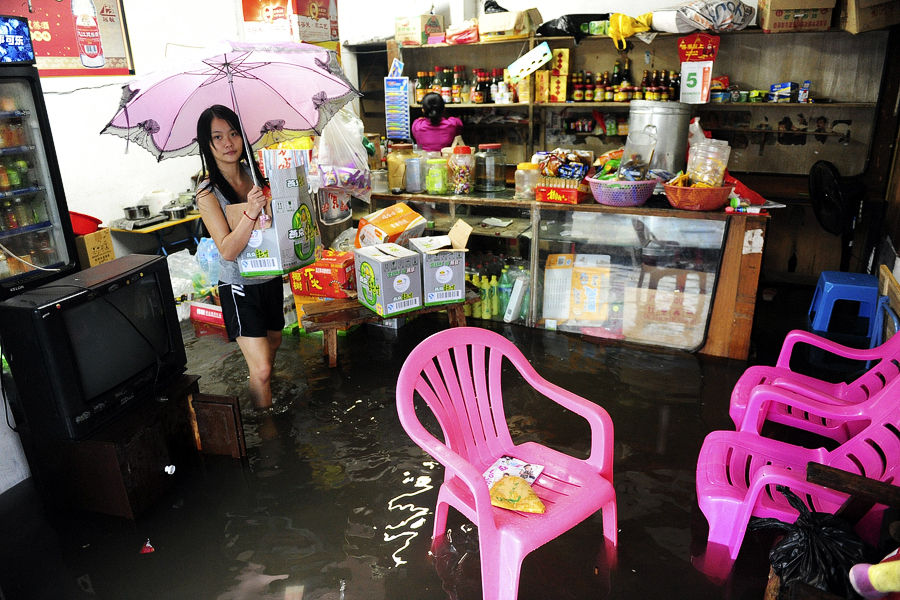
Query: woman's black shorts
{"type": "Point", "coordinates": [252, 310]}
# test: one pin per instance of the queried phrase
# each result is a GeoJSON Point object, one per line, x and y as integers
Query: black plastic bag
{"type": "Point", "coordinates": [818, 549]}
{"type": "Point", "coordinates": [491, 6]}
{"type": "Point", "coordinates": [570, 25]}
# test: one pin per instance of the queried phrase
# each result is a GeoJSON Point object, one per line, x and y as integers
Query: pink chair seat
{"type": "Point", "coordinates": [457, 373]}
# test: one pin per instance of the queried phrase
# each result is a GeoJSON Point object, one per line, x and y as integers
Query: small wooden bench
{"type": "Point", "coordinates": [329, 317]}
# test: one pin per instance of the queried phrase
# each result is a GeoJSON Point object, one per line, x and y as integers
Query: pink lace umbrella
{"type": "Point", "coordinates": [279, 91]}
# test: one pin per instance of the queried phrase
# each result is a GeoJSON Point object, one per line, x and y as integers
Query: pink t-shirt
{"type": "Point", "coordinates": [434, 137]}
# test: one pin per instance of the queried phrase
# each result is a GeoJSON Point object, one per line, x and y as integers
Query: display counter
{"type": "Point", "coordinates": [650, 274]}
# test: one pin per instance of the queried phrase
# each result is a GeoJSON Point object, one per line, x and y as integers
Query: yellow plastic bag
{"type": "Point", "coordinates": [622, 26]}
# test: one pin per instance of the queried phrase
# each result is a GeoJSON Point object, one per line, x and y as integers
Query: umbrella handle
{"type": "Point", "coordinates": [237, 111]}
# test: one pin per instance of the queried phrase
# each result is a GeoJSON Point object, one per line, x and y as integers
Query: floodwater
{"type": "Point", "coordinates": [335, 502]}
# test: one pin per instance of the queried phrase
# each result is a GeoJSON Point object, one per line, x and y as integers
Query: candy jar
{"type": "Point", "coordinates": [436, 181]}
{"type": "Point", "coordinates": [460, 170]}
{"type": "Point", "coordinates": [490, 168]}
{"type": "Point", "coordinates": [526, 178]}
{"type": "Point", "coordinates": [396, 163]}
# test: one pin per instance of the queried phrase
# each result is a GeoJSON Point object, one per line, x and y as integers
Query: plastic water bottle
{"type": "Point", "coordinates": [504, 289]}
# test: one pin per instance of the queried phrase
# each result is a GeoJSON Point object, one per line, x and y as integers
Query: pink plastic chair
{"type": "Point", "coordinates": [737, 471]}
{"type": "Point", "coordinates": [458, 374]}
{"type": "Point", "coordinates": [885, 366]}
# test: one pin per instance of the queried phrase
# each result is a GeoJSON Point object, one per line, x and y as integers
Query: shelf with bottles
{"type": "Point", "coordinates": [26, 249]}
{"type": "Point", "coordinates": [20, 192]}
{"type": "Point", "coordinates": [19, 230]}
{"type": "Point", "coordinates": [14, 114]}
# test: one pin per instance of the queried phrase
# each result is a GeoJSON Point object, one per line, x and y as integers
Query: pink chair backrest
{"type": "Point", "coordinates": [458, 374]}
{"type": "Point", "coordinates": [879, 375]}
{"type": "Point", "coordinates": [875, 451]}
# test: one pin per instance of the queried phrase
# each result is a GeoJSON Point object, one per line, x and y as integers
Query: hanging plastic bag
{"type": "Point", "coordinates": [818, 549]}
{"type": "Point", "coordinates": [570, 25]}
{"type": "Point", "coordinates": [339, 158]}
{"type": "Point", "coordinates": [622, 26]}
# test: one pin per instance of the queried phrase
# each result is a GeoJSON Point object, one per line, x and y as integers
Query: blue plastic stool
{"type": "Point", "coordinates": [834, 286]}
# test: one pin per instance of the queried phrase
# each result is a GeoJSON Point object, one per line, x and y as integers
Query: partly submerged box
{"type": "Point", "coordinates": [287, 238]}
{"type": "Point", "coordinates": [795, 15]}
{"type": "Point", "coordinates": [443, 269]}
{"type": "Point", "coordinates": [331, 276]}
{"type": "Point", "coordinates": [388, 279]}
{"type": "Point", "coordinates": [414, 31]}
{"type": "Point", "coordinates": [508, 25]}
{"type": "Point", "coordinates": [397, 224]}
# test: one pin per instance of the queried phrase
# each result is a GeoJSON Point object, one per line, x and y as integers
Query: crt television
{"type": "Point", "coordinates": [85, 348]}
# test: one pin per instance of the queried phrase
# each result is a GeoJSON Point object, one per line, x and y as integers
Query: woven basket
{"type": "Point", "coordinates": [612, 192]}
{"type": "Point", "coordinates": [689, 198]}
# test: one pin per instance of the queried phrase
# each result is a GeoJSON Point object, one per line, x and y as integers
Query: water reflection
{"type": "Point", "coordinates": [407, 529]}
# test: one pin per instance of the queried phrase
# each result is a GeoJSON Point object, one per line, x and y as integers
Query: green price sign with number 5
{"type": "Point", "coordinates": [695, 80]}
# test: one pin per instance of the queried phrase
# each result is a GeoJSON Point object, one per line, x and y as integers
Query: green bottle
{"type": "Point", "coordinates": [494, 293]}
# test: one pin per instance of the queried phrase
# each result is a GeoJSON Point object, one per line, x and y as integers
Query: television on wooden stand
{"type": "Point", "coordinates": [84, 349]}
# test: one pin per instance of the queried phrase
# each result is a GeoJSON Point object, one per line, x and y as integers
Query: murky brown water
{"type": "Point", "coordinates": [334, 501]}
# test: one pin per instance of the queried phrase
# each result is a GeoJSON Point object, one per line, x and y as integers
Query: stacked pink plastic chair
{"type": "Point", "coordinates": [458, 372]}
{"type": "Point", "coordinates": [737, 471]}
{"type": "Point", "coordinates": [884, 361]}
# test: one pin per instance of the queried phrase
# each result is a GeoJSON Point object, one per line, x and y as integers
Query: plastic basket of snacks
{"type": "Point", "coordinates": [698, 196]}
{"type": "Point", "coordinates": [614, 192]}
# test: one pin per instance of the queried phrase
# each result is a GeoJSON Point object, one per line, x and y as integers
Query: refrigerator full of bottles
{"type": "Point", "coordinates": [37, 245]}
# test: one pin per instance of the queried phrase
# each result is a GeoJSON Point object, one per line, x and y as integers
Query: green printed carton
{"type": "Point", "coordinates": [287, 238]}
{"type": "Point", "coordinates": [388, 279]}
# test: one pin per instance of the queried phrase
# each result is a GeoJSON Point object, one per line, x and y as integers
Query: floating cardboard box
{"type": "Point", "coordinates": [94, 248]}
{"type": "Point", "coordinates": [207, 313]}
{"type": "Point", "coordinates": [331, 276]}
{"type": "Point", "coordinates": [443, 264]}
{"type": "Point", "coordinates": [388, 279]}
{"type": "Point", "coordinates": [397, 224]}
{"type": "Point", "coordinates": [287, 238]}
{"type": "Point", "coordinates": [508, 25]}
{"type": "Point", "coordinates": [795, 15]}
{"type": "Point", "coordinates": [414, 31]}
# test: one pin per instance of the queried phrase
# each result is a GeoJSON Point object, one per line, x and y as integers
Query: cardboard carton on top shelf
{"type": "Point", "coordinates": [414, 31]}
{"type": "Point", "coordinates": [509, 25]}
{"type": "Point", "coordinates": [857, 16]}
{"type": "Point", "coordinates": [795, 15]}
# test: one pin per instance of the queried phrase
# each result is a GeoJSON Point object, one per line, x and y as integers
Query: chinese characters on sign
{"type": "Point", "coordinates": [697, 53]}
{"type": "Point", "coordinates": [79, 37]}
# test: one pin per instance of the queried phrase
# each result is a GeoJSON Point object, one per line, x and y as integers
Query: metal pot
{"type": "Point", "coordinates": [139, 211]}
{"type": "Point", "coordinates": [175, 212]}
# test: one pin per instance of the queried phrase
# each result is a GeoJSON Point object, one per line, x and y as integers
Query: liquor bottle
{"type": "Point", "coordinates": [465, 90]}
{"type": "Point", "coordinates": [456, 89]}
{"type": "Point", "coordinates": [676, 86]}
{"type": "Point", "coordinates": [494, 86]}
{"type": "Point", "coordinates": [87, 34]}
{"type": "Point", "coordinates": [617, 73]}
{"type": "Point", "coordinates": [654, 79]}
{"type": "Point", "coordinates": [436, 80]}
{"type": "Point", "coordinates": [423, 86]}
{"type": "Point", "coordinates": [626, 72]}
{"type": "Point", "coordinates": [645, 80]}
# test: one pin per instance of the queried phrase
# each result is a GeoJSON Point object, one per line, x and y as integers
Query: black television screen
{"type": "Point", "coordinates": [86, 347]}
{"type": "Point", "coordinates": [131, 315]}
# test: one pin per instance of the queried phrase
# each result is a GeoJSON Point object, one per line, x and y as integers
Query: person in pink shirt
{"type": "Point", "coordinates": [435, 131]}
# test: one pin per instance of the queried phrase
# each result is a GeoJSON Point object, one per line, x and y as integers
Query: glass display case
{"type": "Point", "coordinates": [649, 274]}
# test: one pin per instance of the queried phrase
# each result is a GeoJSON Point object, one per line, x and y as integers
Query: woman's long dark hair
{"type": "Point", "coordinates": [209, 167]}
{"type": "Point", "coordinates": [433, 107]}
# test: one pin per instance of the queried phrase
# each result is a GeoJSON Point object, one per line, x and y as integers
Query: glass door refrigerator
{"type": "Point", "coordinates": [36, 240]}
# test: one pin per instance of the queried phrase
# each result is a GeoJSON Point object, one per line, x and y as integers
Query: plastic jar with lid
{"type": "Point", "coordinates": [460, 170]}
{"type": "Point", "coordinates": [436, 181]}
{"type": "Point", "coordinates": [396, 166]}
{"type": "Point", "coordinates": [490, 168]}
{"type": "Point", "coordinates": [527, 175]}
